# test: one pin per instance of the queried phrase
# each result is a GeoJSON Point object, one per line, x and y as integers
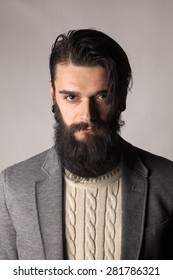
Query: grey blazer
{"type": "Point", "coordinates": [31, 210]}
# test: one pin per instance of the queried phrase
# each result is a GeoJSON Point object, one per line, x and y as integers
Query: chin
{"type": "Point", "coordinates": [81, 136]}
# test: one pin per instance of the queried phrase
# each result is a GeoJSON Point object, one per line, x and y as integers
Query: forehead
{"type": "Point", "coordinates": [70, 74]}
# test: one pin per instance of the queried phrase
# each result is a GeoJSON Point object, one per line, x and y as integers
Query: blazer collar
{"type": "Point", "coordinates": [51, 163]}
{"type": "Point", "coordinates": [134, 196]}
{"type": "Point", "coordinates": [49, 197]}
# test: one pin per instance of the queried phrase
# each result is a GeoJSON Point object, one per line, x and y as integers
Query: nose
{"type": "Point", "coordinates": [87, 112]}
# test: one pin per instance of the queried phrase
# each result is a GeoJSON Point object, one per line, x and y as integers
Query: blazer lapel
{"type": "Point", "coordinates": [134, 195]}
{"type": "Point", "coordinates": [49, 204]}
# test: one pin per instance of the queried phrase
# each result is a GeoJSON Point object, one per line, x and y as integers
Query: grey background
{"type": "Point", "coordinates": [28, 28]}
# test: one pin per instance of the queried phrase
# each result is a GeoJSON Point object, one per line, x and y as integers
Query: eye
{"type": "Point", "coordinates": [102, 96]}
{"type": "Point", "coordinates": [70, 97]}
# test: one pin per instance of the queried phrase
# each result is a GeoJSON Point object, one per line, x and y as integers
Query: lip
{"type": "Point", "coordinates": [88, 130]}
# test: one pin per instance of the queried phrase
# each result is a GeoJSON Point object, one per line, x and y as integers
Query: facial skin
{"type": "Point", "coordinates": [81, 95]}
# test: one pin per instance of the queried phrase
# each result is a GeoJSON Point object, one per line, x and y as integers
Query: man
{"type": "Point", "coordinates": [92, 195]}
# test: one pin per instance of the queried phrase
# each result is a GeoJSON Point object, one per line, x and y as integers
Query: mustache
{"type": "Point", "coordinates": [84, 125]}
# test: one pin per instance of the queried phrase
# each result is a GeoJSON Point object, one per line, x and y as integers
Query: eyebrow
{"type": "Point", "coordinates": [64, 91]}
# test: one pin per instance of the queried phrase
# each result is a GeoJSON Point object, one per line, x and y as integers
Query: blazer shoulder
{"type": "Point", "coordinates": [29, 168]}
{"type": "Point", "coordinates": [154, 159]}
{"type": "Point", "coordinates": [158, 165]}
{"type": "Point", "coordinates": [154, 164]}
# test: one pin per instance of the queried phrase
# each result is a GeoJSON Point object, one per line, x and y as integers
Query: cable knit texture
{"type": "Point", "coordinates": [93, 216]}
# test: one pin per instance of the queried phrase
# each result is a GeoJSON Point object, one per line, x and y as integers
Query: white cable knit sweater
{"type": "Point", "coordinates": [93, 216]}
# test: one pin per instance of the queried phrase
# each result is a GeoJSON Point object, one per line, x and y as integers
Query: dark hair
{"type": "Point", "coordinates": [91, 47]}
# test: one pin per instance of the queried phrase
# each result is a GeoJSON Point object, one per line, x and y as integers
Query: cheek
{"type": "Point", "coordinates": [104, 111]}
{"type": "Point", "coordinates": [67, 115]}
{"type": "Point", "coordinates": [67, 112]}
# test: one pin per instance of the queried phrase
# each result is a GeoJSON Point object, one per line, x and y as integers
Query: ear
{"type": "Point", "coordinates": [52, 92]}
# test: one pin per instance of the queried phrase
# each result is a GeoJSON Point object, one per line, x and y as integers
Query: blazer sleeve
{"type": "Point", "coordinates": [8, 250]}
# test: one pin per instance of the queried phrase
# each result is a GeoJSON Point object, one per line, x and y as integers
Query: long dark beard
{"type": "Point", "coordinates": [93, 156]}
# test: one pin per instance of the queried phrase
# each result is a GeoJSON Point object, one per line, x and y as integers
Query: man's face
{"type": "Point", "coordinates": [81, 95]}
